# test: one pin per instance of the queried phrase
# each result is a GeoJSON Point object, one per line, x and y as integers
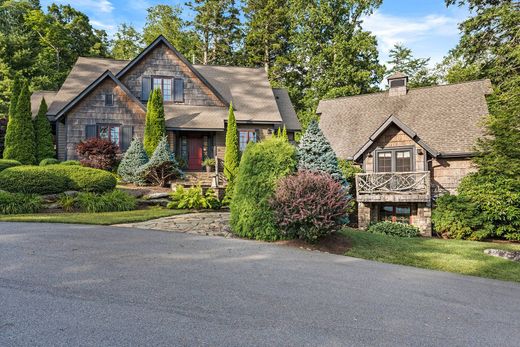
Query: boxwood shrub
{"type": "Point", "coordinates": [394, 229]}
{"type": "Point", "coordinates": [54, 179]}
{"type": "Point", "coordinates": [49, 161]}
{"type": "Point", "coordinates": [7, 163]}
{"type": "Point", "coordinates": [16, 203]}
{"type": "Point", "coordinates": [70, 162]}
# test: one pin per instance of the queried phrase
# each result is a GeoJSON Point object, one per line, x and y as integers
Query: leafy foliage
{"type": "Point", "coordinates": [394, 229]}
{"type": "Point", "coordinates": [97, 153]}
{"type": "Point", "coordinates": [262, 164]}
{"type": "Point", "coordinates": [128, 42]}
{"type": "Point", "coordinates": [70, 162]}
{"type": "Point", "coordinates": [67, 202]}
{"type": "Point", "coordinates": [162, 166]}
{"type": "Point", "coordinates": [7, 163]}
{"type": "Point", "coordinates": [53, 179]}
{"type": "Point", "coordinates": [43, 140]}
{"type": "Point", "coordinates": [232, 154]}
{"type": "Point", "coordinates": [134, 158]}
{"type": "Point", "coordinates": [19, 138]}
{"type": "Point", "coordinates": [3, 129]}
{"type": "Point", "coordinates": [16, 203]}
{"type": "Point", "coordinates": [193, 198]}
{"type": "Point", "coordinates": [113, 201]}
{"type": "Point", "coordinates": [402, 60]}
{"type": "Point", "coordinates": [49, 161]}
{"type": "Point", "coordinates": [309, 205]}
{"type": "Point", "coordinates": [155, 126]}
{"type": "Point", "coordinates": [316, 154]}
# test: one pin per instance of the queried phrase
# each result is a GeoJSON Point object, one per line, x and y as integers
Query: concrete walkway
{"type": "Point", "coordinates": [203, 223]}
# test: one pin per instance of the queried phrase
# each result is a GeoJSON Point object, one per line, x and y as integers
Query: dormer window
{"type": "Point", "coordinates": [172, 88]}
{"type": "Point", "coordinates": [397, 83]}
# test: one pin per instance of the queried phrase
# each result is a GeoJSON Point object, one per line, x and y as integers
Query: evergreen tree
{"type": "Point", "coordinates": [316, 154]}
{"type": "Point", "coordinates": [232, 155]}
{"type": "Point", "coordinates": [402, 60]}
{"type": "Point", "coordinates": [155, 126]}
{"type": "Point", "coordinates": [134, 158]}
{"type": "Point", "coordinates": [19, 139]}
{"type": "Point", "coordinates": [15, 94]}
{"type": "Point", "coordinates": [43, 140]}
{"type": "Point", "coordinates": [162, 166]}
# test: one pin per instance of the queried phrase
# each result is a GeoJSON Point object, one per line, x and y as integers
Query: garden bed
{"type": "Point", "coordinates": [335, 243]}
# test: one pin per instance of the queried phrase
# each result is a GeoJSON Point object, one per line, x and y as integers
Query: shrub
{"type": "Point", "coordinates": [97, 153]}
{"type": "Point", "coordinates": [49, 161]}
{"type": "Point", "coordinates": [262, 164]}
{"type": "Point", "coordinates": [113, 201]}
{"type": "Point", "coordinates": [162, 165]}
{"type": "Point", "coordinates": [394, 229]}
{"type": "Point", "coordinates": [70, 162]}
{"type": "Point", "coordinates": [54, 179]}
{"type": "Point", "coordinates": [34, 180]}
{"type": "Point", "coordinates": [67, 202]}
{"type": "Point", "coordinates": [43, 141]}
{"type": "Point", "coordinates": [134, 158]}
{"type": "Point", "coordinates": [19, 138]}
{"type": "Point", "coordinates": [3, 129]}
{"type": "Point", "coordinates": [232, 154]}
{"type": "Point", "coordinates": [316, 154]}
{"type": "Point", "coordinates": [7, 163]}
{"type": "Point", "coordinates": [309, 205]}
{"type": "Point", "coordinates": [16, 203]}
{"type": "Point", "coordinates": [155, 126]}
{"type": "Point", "coordinates": [193, 198]}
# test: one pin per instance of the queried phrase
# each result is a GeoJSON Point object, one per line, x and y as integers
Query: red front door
{"type": "Point", "coordinates": [194, 153]}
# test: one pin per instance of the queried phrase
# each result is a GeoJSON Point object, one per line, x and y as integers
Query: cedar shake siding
{"type": "Point", "coordinates": [162, 62]}
{"type": "Point", "coordinates": [91, 110]}
{"type": "Point", "coordinates": [412, 144]}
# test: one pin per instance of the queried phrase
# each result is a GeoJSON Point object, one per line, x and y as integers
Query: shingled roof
{"type": "Point", "coordinates": [448, 119]}
{"type": "Point", "coordinates": [253, 98]}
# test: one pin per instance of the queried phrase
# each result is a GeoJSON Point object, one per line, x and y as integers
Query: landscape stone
{"type": "Point", "coordinates": [510, 255]}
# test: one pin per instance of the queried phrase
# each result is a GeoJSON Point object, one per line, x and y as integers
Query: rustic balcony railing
{"type": "Point", "coordinates": [414, 185]}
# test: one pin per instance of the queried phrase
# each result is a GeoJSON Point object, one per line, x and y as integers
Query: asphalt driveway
{"type": "Point", "coordinates": [65, 285]}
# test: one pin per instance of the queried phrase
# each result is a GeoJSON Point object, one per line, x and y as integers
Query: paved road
{"type": "Point", "coordinates": [67, 285]}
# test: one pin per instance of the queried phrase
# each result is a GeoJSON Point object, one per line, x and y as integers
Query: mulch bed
{"type": "Point", "coordinates": [334, 243]}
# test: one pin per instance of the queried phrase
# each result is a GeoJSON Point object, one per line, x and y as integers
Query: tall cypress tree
{"type": "Point", "coordinates": [232, 155]}
{"type": "Point", "coordinates": [43, 134]}
{"type": "Point", "coordinates": [15, 94]}
{"type": "Point", "coordinates": [316, 154]}
{"type": "Point", "coordinates": [155, 124]}
{"type": "Point", "coordinates": [19, 140]}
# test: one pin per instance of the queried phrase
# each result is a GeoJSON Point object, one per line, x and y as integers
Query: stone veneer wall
{"type": "Point", "coordinates": [163, 62]}
{"type": "Point", "coordinates": [92, 110]}
{"type": "Point", "coordinates": [446, 174]}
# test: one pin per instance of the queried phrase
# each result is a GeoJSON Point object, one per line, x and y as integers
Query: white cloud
{"type": "Point", "coordinates": [100, 25]}
{"type": "Point", "coordinates": [103, 6]}
{"type": "Point", "coordinates": [390, 30]}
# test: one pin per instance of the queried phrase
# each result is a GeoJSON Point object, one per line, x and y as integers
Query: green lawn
{"type": "Point", "coordinates": [102, 218]}
{"type": "Point", "coordinates": [464, 257]}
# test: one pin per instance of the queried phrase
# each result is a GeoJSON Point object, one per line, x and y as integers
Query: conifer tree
{"type": "Point", "coordinates": [316, 154]}
{"type": "Point", "coordinates": [43, 141]}
{"type": "Point", "coordinates": [134, 158]}
{"type": "Point", "coordinates": [162, 166]}
{"type": "Point", "coordinates": [155, 126]}
{"type": "Point", "coordinates": [232, 155]}
{"type": "Point", "coordinates": [19, 139]}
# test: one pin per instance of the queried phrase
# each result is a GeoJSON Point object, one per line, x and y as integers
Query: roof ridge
{"type": "Point", "coordinates": [234, 66]}
{"type": "Point", "coordinates": [104, 58]}
{"type": "Point", "coordinates": [411, 89]}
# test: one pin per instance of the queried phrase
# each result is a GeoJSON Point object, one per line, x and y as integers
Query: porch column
{"type": "Point", "coordinates": [363, 215]}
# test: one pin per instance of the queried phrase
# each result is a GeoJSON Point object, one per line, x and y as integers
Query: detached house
{"type": "Point", "coordinates": [413, 144]}
{"type": "Point", "coordinates": [107, 98]}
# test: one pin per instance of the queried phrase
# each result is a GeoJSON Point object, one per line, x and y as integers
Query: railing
{"type": "Point", "coordinates": [394, 183]}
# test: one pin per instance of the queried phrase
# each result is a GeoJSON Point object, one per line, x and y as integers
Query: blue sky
{"type": "Point", "coordinates": [426, 26]}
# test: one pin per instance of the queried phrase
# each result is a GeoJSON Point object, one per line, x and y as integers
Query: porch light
{"type": "Point", "coordinates": [419, 151]}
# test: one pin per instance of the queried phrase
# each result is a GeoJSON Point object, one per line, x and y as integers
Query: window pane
{"type": "Point", "coordinates": [109, 100]}
{"type": "Point", "coordinates": [386, 212]}
{"type": "Point", "coordinates": [403, 161]}
{"type": "Point", "coordinates": [179, 90]}
{"type": "Point", "coordinates": [384, 161]}
{"type": "Point", "coordinates": [103, 132]}
{"type": "Point", "coordinates": [114, 135]}
{"type": "Point", "coordinates": [167, 89]}
{"type": "Point", "coordinates": [157, 83]}
{"type": "Point", "coordinates": [243, 140]}
{"type": "Point", "coordinates": [402, 214]}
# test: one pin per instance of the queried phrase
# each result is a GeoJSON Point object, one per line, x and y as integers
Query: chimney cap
{"type": "Point", "coordinates": [397, 75]}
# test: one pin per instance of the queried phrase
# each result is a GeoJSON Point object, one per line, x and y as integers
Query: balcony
{"type": "Point", "coordinates": [393, 187]}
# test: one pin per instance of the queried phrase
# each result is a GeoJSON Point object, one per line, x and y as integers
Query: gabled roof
{"type": "Point", "coordinates": [162, 40]}
{"type": "Point", "coordinates": [36, 99]}
{"type": "Point", "coordinates": [396, 75]}
{"type": "Point", "coordinates": [286, 108]}
{"type": "Point", "coordinates": [448, 118]}
{"type": "Point", "coordinates": [392, 120]}
{"type": "Point", "coordinates": [88, 89]}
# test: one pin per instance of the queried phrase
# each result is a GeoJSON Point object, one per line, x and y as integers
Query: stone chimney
{"type": "Point", "coordinates": [397, 83]}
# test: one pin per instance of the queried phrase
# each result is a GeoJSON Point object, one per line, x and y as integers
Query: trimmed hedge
{"type": "Point", "coordinates": [49, 161]}
{"type": "Point", "coordinates": [7, 163]}
{"type": "Point", "coordinates": [16, 203]}
{"type": "Point", "coordinates": [394, 229]}
{"type": "Point", "coordinates": [54, 179]}
{"type": "Point", "coordinates": [70, 162]}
